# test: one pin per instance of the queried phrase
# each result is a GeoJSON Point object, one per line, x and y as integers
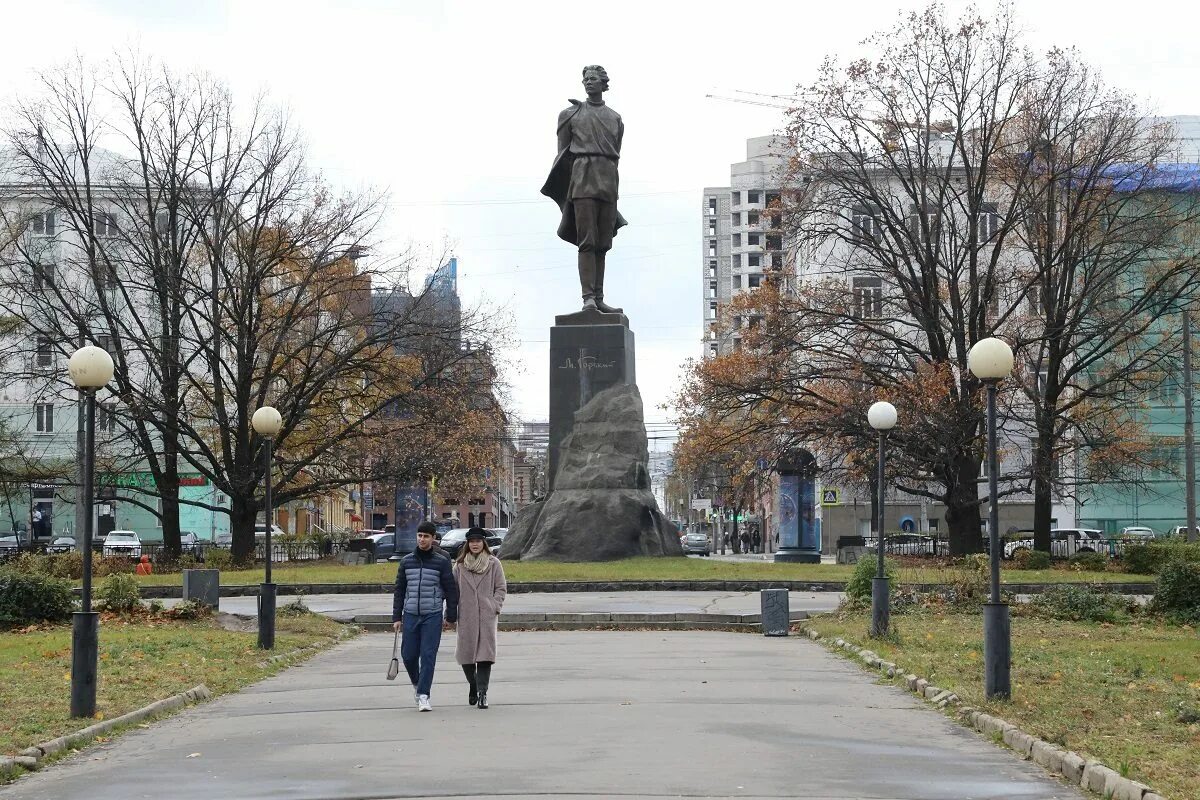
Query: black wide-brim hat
{"type": "Point", "coordinates": [476, 533]}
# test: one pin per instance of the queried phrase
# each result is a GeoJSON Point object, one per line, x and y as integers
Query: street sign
{"type": "Point", "coordinates": [701, 504]}
{"type": "Point", "coordinates": [831, 497]}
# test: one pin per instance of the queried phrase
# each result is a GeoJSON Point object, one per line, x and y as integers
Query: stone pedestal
{"type": "Point", "coordinates": [776, 616]}
{"type": "Point", "coordinates": [589, 352]}
{"type": "Point", "coordinates": [202, 586]}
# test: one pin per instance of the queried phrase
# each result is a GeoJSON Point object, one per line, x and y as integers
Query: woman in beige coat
{"type": "Point", "coordinates": [481, 592]}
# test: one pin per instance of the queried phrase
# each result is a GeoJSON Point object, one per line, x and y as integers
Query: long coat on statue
{"type": "Point", "coordinates": [558, 184]}
{"type": "Point", "coordinates": [480, 596]}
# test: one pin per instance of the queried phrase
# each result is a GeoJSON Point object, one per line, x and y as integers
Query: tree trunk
{"type": "Point", "coordinates": [1043, 487]}
{"type": "Point", "coordinates": [168, 490]}
{"type": "Point", "coordinates": [962, 508]}
{"type": "Point", "coordinates": [243, 512]}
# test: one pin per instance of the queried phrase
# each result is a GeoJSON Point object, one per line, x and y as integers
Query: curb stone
{"type": "Point", "coordinates": [1085, 773]}
{"type": "Point", "coordinates": [31, 757]}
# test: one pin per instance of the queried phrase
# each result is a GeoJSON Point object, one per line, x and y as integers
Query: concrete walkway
{"type": "Point", "coordinates": [346, 607]}
{"type": "Point", "coordinates": [587, 714]}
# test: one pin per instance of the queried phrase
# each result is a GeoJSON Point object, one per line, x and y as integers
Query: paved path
{"type": "Point", "coordinates": [586, 714]}
{"type": "Point", "coordinates": [347, 606]}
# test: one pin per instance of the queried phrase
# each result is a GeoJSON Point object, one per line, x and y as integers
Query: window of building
{"type": "Point", "coordinates": [162, 223]}
{"type": "Point", "coordinates": [43, 223]}
{"type": "Point", "coordinates": [44, 417]}
{"type": "Point", "coordinates": [712, 349]}
{"type": "Point", "coordinates": [776, 221]}
{"type": "Point", "coordinates": [103, 341]}
{"type": "Point", "coordinates": [736, 260]}
{"type": "Point", "coordinates": [737, 240]}
{"type": "Point", "coordinates": [752, 197]}
{"type": "Point", "coordinates": [106, 420]}
{"type": "Point", "coordinates": [735, 197]}
{"type": "Point", "coordinates": [1033, 295]}
{"type": "Point", "coordinates": [737, 282]}
{"type": "Point", "coordinates": [865, 222]}
{"type": "Point", "coordinates": [987, 222]}
{"type": "Point", "coordinates": [735, 219]}
{"type": "Point", "coordinates": [712, 206]}
{"type": "Point", "coordinates": [712, 247]}
{"type": "Point", "coordinates": [43, 276]}
{"type": "Point", "coordinates": [712, 227]}
{"type": "Point", "coordinates": [106, 277]}
{"type": "Point", "coordinates": [772, 199]}
{"type": "Point", "coordinates": [754, 281]}
{"type": "Point", "coordinates": [1040, 379]}
{"type": "Point", "coordinates": [926, 226]}
{"type": "Point", "coordinates": [712, 269]}
{"type": "Point", "coordinates": [752, 218]}
{"type": "Point", "coordinates": [712, 310]}
{"type": "Point", "coordinates": [868, 297]}
{"type": "Point", "coordinates": [44, 356]}
{"type": "Point", "coordinates": [753, 239]}
{"type": "Point", "coordinates": [754, 260]}
{"type": "Point", "coordinates": [775, 243]}
{"type": "Point", "coordinates": [712, 288]}
{"type": "Point", "coordinates": [105, 225]}
{"type": "Point", "coordinates": [993, 306]}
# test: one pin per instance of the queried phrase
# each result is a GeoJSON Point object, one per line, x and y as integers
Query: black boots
{"type": "Point", "coordinates": [473, 696]}
{"type": "Point", "coordinates": [483, 674]}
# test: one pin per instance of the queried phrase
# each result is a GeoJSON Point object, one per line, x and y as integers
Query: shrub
{"type": "Point", "coordinates": [1178, 592]}
{"type": "Point", "coordinates": [119, 593]}
{"type": "Point", "coordinates": [1030, 559]}
{"type": "Point", "coordinates": [296, 608]}
{"type": "Point", "coordinates": [1089, 562]}
{"type": "Point", "coordinates": [31, 563]}
{"type": "Point", "coordinates": [188, 609]}
{"type": "Point", "coordinates": [859, 585]}
{"type": "Point", "coordinates": [1080, 604]}
{"type": "Point", "coordinates": [216, 558]}
{"type": "Point", "coordinates": [67, 565]}
{"type": "Point", "coordinates": [1150, 558]}
{"type": "Point", "coordinates": [27, 598]}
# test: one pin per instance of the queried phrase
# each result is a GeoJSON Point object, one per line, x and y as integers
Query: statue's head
{"type": "Point", "coordinates": [595, 79]}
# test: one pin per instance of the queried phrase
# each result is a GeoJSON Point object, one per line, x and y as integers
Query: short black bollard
{"type": "Point", "coordinates": [775, 614]}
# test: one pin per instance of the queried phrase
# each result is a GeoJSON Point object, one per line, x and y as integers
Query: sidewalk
{"type": "Point", "coordinates": [579, 714]}
{"type": "Point", "coordinates": [369, 607]}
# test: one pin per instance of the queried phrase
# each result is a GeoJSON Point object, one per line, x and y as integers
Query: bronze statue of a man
{"type": "Point", "coordinates": [583, 181]}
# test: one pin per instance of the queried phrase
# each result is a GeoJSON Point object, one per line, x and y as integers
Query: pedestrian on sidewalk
{"type": "Point", "coordinates": [481, 592]}
{"type": "Point", "coordinates": [756, 541]}
{"type": "Point", "coordinates": [424, 583]}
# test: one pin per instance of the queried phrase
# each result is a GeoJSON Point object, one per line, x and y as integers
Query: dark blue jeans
{"type": "Point", "coordinates": [419, 647]}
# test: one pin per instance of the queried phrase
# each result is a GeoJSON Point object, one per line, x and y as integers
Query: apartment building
{"type": "Point", "coordinates": [741, 241]}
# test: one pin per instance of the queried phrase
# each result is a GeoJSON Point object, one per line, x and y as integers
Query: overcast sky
{"type": "Point", "coordinates": [450, 107]}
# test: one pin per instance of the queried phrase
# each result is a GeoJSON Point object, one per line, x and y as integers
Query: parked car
{"type": "Point", "coordinates": [122, 543]}
{"type": "Point", "coordinates": [453, 541]}
{"type": "Point", "coordinates": [260, 532]}
{"type": "Point", "coordinates": [1137, 532]}
{"type": "Point", "coordinates": [378, 543]}
{"type": "Point", "coordinates": [1180, 532]}
{"type": "Point", "coordinates": [498, 535]}
{"type": "Point", "coordinates": [10, 544]}
{"type": "Point", "coordinates": [1064, 542]}
{"type": "Point", "coordinates": [696, 543]}
{"type": "Point", "coordinates": [191, 545]}
{"type": "Point", "coordinates": [61, 544]}
{"type": "Point", "coordinates": [224, 540]}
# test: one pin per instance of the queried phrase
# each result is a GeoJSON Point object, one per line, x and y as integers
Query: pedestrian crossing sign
{"type": "Point", "coordinates": [831, 497]}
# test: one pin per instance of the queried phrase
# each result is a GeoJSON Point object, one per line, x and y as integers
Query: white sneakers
{"type": "Point", "coordinates": [423, 703]}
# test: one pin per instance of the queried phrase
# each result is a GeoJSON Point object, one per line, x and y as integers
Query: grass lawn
{"type": "Point", "coordinates": [635, 569]}
{"type": "Point", "coordinates": [1114, 693]}
{"type": "Point", "coordinates": [140, 662]}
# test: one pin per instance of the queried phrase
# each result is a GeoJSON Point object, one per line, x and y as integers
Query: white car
{"type": "Point", "coordinates": [1064, 542]}
{"type": "Point", "coordinates": [1137, 532]}
{"type": "Point", "coordinates": [260, 532]}
{"type": "Point", "coordinates": [122, 543]}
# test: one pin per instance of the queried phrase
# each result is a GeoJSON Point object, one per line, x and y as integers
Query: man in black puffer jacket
{"type": "Point", "coordinates": [424, 583]}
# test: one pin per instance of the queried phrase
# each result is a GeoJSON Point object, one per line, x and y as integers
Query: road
{"type": "Point", "coordinates": [582, 714]}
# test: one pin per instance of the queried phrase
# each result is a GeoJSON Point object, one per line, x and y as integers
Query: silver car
{"type": "Point", "coordinates": [696, 543]}
{"type": "Point", "coordinates": [122, 543]}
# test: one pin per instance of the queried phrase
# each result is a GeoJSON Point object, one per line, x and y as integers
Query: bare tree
{"type": "Point", "coordinates": [224, 275]}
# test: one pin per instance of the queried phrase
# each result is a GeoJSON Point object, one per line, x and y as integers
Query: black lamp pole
{"type": "Point", "coordinates": [266, 592]}
{"type": "Point", "coordinates": [880, 591]}
{"type": "Point", "coordinates": [997, 631]}
{"type": "Point", "coordinates": [85, 623]}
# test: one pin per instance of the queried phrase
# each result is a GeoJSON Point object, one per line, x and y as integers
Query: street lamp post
{"type": "Point", "coordinates": [90, 368]}
{"type": "Point", "coordinates": [882, 417]}
{"type": "Point", "coordinates": [267, 423]}
{"type": "Point", "coordinates": [991, 360]}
